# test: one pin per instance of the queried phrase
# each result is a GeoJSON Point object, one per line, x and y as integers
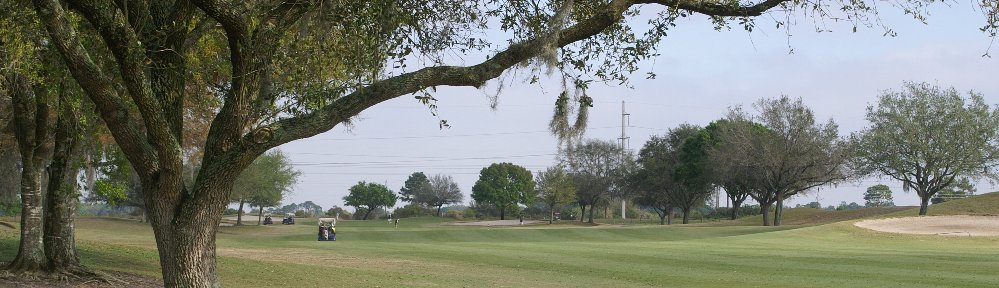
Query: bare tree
{"type": "Point", "coordinates": [443, 190]}
{"type": "Point", "coordinates": [597, 168]}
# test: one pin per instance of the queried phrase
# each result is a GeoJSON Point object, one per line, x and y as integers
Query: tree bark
{"type": "Point", "coordinates": [778, 209]}
{"type": "Point", "coordinates": [260, 215]}
{"type": "Point", "coordinates": [686, 215]}
{"type": "Point", "coordinates": [366, 213]}
{"type": "Point", "coordinates": [239, 213]}
{"type": "Point", "coordinates": [439, 210]}
{"type": "Point", "coordinates": [735, 208]}
{"type": "Point", "coordinates": [582, 213]}
{"type": "Point", "coordinates": [765, 211]}
{"type": "Point", "coordinates": [924, 203]}
{"type": "Point", "coordinates": [63, 196]}
{"type": "Point", "coordinates": [591, 214]}
{"type": "Point", "coordinates": [502, 209]}
{"type": "Point", "coordinates": [31, 128]}
{"type": "Point", "coordinates": [669, 215]}
{"type": "Point", "coordinates": [30, 253]}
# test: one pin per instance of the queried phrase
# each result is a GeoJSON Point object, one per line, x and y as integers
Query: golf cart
{"type": "Point", "coordinates": [327, 229]}
{"type": "Point", "coordinates": [289, 219]}
{"type": "Point", "coordinates": [267, 220]}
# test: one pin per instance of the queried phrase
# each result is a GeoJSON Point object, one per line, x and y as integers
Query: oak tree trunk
{"type": "Point", "coordinates": [239, 213]}
{"type": "Point", "coordinates": [30, 253]}
{"type": "Point", "coordinates": [582, 213]}
{"type": "Point", "coordinates": [669, 216]}
{"type": "Point", "coordinates": [62, 196]}
{"type": "Point", "coordinates": [735, 208]}
{"type": "Point", "coordinates": [686, 215]}
{"type": "Point", "coordinates": [591, 214]}
{"type": "Point", "coordinates": [778, 210]}
{"type": "Point", "coordinates": [502, 209]}
{"type": "Point", "coordinates": [765, 211]}
{"type": "Point", "coordinates": [924, 203]}
{"type": "Point", "coordinates": [31, 129]}
{"type": "Point", "coordinates": [186, 245]}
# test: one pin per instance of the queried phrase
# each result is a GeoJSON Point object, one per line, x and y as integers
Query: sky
{"type": "Point", "coordinates": [701, 73]}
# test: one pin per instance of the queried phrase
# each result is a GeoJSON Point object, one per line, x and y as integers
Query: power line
{"type": "Point", "coordinates": [449, 136]}
{"type": "Point", "coordinates": [418, 161]}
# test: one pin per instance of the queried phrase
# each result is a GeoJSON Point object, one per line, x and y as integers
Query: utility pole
{"type": "Point", "coordinates": [624, 146]}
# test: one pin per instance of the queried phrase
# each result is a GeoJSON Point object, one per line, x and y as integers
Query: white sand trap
{"type": "Point", "coordinates": [959, 225]}
{"type": "Point", "coordinates": [515, 222]}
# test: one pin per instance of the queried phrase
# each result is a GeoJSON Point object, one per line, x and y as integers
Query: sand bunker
{"type": "Point", "coordinates": [936, 225]}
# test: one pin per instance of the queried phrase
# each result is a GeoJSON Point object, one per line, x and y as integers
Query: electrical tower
{"type": "Point", "coordinates": [625, 117]}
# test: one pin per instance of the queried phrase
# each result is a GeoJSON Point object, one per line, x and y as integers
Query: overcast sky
{"type": "Point", "coordinates": [700, 74]}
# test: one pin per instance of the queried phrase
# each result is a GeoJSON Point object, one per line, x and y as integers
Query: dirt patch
{"type": "Point", "coordinates": [497, 223]}
{"type": "Point", "coordinates": [936, 225]}
{"type": "Point", "coordinates": [115, 279]}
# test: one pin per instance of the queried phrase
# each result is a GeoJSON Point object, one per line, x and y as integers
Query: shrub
{"type": "Point", "coordinates": [459, 215]}
{"type": "Point", "coordinates": [10, 209]}
{"type": "Point", "coordinates": [412, 210]}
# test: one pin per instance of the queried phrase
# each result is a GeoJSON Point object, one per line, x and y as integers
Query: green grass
{"type": "Point", "coordinates": [424, 252]}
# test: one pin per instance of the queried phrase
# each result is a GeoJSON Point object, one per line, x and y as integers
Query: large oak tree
{"type": "Point", "coordinates": [927, 137]}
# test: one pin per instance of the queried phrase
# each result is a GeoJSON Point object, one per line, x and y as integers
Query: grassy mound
{"type": "Point", "coordinates": [979, 205]}
{"type": "Point", "coordinates": [812, 216]}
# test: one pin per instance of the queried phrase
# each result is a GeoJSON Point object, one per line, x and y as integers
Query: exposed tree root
{"type": "Point", "coordinates": [63, 274]}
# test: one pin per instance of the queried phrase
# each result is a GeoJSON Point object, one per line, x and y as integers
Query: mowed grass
{"type": "Point", "coordinates": [426, 252]}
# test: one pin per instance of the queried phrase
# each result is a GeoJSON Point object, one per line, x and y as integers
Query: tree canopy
{"type": "Point", "coordinates": [503, 185]}
{"type": "Point", "coordinates": [878, 196]}
{"type": "Point", "coordinates": [443, 191]}
{"type": "Point", "coordinates": [369, 195]}
{"type": "Point", "coordinates": [554, 187]}
{"type": "Point", "coordinates": [928, 137]}
{"type": "Point", "coordinates": [416, 184]}
{"type": "Point", "coordinates": [265, 182]}
{"type": "Point", "coordinates": [598, 169]}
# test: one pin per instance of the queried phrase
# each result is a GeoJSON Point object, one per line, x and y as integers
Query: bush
{"type": "Point", "coordinates": [458, 215]}
{"type": "Point", "coordinates": [10, 209]}
{"type": "Point", "coordinates": [230, 211]}
{"type": "Point", "coordinates": [412, 210]}
{"type": "Point", "coordinates": [344, 214]}
{"type": "Point", "coordinates": [468, 213]}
